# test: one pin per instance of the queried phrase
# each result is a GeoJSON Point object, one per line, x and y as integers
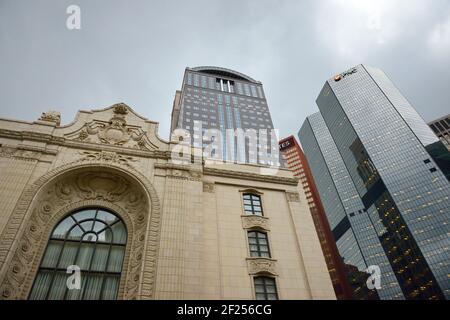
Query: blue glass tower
{"type": "Point", "coordinates": [395, 179]}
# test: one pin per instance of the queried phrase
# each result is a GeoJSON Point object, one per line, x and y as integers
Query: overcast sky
{"type": "Point", "coordinates": [136, 52]}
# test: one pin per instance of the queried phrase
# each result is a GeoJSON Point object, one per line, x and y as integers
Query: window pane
{"type": "Point", "coordinates": [119, 233]}
{"type": "Point", "coordinates": [68, 255]}
{"type": "Point", "coordinates": [87, 225]}
{"type": "Point", "coordinates": [260, 296]}
{"type": "Point", "coordinates": [41, 285]}
{"type": "Point", "coordinates": [272, 297]}
{"type": "Point", "coordinates": [51, 254]}
{"type": "Point", "coordinates": [61, 230]}
{"type": "Point", "coordinates": [106, 217]}
{"type": "Point", "coordinates": [75, 234]}
{"type": "Point", "coordinates": [105, 236]}
{"type": "Point", "coordinates": [116, 259]}
{"type": "Point", "coordinates": [262, 241]}
{"type": "Point", "coordinates": [98, 226]}
{"type": "Point", "coordinates": [85, 214]}
{"type": "Point", "coordinates": [85, 256]}
{"type": "Point", "coordinates": [110, 288]}
{"type": "Point", "coordinates": [259, 288]}
{"type": "Point", "coordinates": [271, 289]}
{"type": "Point", "coordinates": [58, 286]}
{"type": "Point", "coordinates": [93, 287]}
{"type": "Point", "coordinates": [100, 257]}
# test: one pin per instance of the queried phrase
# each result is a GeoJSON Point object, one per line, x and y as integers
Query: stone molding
{"type": "Point", "coordinates": [262, 266]}
{"type": "Point", "coordinates": [292, 196]}
{"type": "Point", "coordinates": [250, 176]}
{"type": "Point", "coordinates": [20, 154]}
{"type": "Point", "coordinates": [69, 187]}
{"type": "Point", "coordinates": [254, 221]}
{"type": "Point", "coordinates": [85, 145]}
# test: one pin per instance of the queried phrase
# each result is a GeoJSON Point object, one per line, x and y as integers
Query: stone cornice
{"type": "Point", "coordinates": [60, 141]}
{"type": "Point", "coordinates": [249, 176]}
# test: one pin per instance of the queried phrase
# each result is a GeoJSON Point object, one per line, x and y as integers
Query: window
{"type": "Point", "coordinates": [252, 204]}
{"type": "Point", "coordinates": [258, 244]}
{"type": "Point", "coordinates": [265, 288]}
{"type": "Point", "coordinates": [92, 239]}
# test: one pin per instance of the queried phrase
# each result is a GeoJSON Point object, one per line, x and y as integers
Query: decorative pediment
{"type": "Point", "coordinates": [116, 131]}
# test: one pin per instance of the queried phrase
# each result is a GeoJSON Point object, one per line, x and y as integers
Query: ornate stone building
{"type": "Point", "coordinates": [102, 194]}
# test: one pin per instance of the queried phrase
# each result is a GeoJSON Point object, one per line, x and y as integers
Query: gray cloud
{"type": "Point", "coordinates": [136, 52]}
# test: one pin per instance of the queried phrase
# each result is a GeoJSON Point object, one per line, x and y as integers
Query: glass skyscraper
{"type": "Point", "coordinates": [387, 199]}
{"type": "Point", "coordinates": [221, 99]}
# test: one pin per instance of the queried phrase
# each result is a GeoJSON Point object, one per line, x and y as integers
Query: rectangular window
{"type": "Point", "coordinates": [265, 288]}
{"type": "Point", "coordinates": [258, 244]}
{"type": "Point", "coordinates": [252, 204]}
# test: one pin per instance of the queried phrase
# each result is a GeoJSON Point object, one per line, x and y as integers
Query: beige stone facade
{"type": "Point", "coordinates": [187, 231]}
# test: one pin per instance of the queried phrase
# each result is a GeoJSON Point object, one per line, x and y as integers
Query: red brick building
{"type": "Point", "coordinates": [296, 161]}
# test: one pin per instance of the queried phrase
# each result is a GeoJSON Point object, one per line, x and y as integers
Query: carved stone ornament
{"type": "Point", "coordinates": [254, 221]}
{"type": "Point", "coordinates": [184, 174]}
{"type": "Point", "coordinates": [208, 187]}
{"type": "Point", "coordinates": [107, 157]}
{"type": "Point", "coordinates": [121, 108]}
{"type": "Point", "coordinates": [70, 187]}
{"type": "Point", "coordinates": [262, 266]}
{"type": "Point", "coordinates": [12, 152]}
{"type": "Point", "coordinates": [115, 132]}
{"type": "Point", "coordinates": [51, 116]}
{"type": "Point", "coordinates": [293, 196]}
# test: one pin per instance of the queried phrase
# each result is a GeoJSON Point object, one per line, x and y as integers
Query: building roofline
{"type": "Point", "coordinates": [224, 71]}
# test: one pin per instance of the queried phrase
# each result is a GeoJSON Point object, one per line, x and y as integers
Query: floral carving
{"type": "Point", "coordinates": [107, 157]}
{"type": "Point", "coordinates": [253, 221]}
{"type": "Point", "coordinates": [261, 265]}
{"type": "Point", "coordinates": [51, 116]}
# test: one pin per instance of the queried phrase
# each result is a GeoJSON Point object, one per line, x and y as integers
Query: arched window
{"type": "Point", "coordinates": [93, 240]}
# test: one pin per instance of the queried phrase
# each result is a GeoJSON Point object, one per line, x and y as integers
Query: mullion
{"type": "Point", "coordinates": [71, 240]}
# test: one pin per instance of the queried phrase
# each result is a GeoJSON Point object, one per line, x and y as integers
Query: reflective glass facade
{"type": "Point", "coordinates": [384, 148]}
{"type": "Point", "coordinates": [353, 230]}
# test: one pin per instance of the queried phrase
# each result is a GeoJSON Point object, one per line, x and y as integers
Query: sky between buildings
{"type": "Point", "coordinates": [136, 52]}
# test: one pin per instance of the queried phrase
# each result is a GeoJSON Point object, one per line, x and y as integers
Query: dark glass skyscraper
{"type": "Point", "coordinates": [382, 185]}
{"type": "Point", "coordinates": [221, 99]}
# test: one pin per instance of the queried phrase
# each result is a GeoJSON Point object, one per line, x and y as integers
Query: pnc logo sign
{"type": "Point", "coordinates": [341, 76]}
